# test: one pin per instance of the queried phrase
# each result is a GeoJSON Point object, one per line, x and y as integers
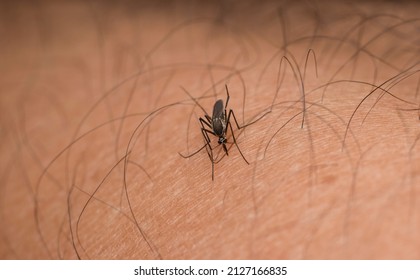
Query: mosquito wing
{"type": "Point", "coordinates": [219, 118]}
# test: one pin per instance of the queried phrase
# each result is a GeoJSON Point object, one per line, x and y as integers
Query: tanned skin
{"type": "Point", "coordinates": [98, 100]}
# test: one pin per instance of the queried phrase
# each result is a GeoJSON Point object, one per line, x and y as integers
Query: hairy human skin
{"type": "Point", "coordinates": [94, 117]}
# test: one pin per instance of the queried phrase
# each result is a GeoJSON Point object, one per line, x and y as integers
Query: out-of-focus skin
{"type": "Point", "coordinates": [93, 118]}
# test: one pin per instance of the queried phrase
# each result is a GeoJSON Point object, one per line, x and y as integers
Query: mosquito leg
{"type": "Point", "coordinates": [210, 154]}
{"type": "Point", "coordinates": [231, 113]}
{"type": "Point", "coordinates": [228, 96]}
{"type": "Point", "coordinates": [209, 120]}
{"type": "Point", "coordinates": [205, 135]}
{"type": "Point", "coordinates": [194, 153]}
{"type": "Point", "coordinates": [234, 141]}
{"type": "Point", "coordinates": [209, 149]}
{"type": "Point", "coordinates": [205, 123]}
{"type": "Point", "coordinates": [245, 125]}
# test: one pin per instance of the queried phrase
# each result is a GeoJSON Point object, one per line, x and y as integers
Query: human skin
{"type": "Point", "coordinates": [96, 111]}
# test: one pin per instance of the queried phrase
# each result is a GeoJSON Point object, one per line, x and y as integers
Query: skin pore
{"type": "Point", "coordinates": [98, 101]}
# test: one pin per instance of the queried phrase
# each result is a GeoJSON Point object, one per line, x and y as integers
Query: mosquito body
{"type": "Point", "coordinates": [217, 125]}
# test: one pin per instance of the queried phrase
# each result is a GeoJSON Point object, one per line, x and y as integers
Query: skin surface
{"type": "Point", "coordinates": [96, 109]}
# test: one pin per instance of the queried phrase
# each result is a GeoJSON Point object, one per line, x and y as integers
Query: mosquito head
{"type": "Point", "coordinates": [223, 141]}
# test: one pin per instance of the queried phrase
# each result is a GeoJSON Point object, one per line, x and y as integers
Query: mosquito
{"type": "Point", "coordinates": [217, 125]}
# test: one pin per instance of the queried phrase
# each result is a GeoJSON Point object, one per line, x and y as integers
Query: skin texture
{"type": "Point", "coordinates": [97, 106]}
